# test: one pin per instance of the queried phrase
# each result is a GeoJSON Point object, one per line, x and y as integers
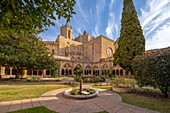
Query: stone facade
{"type": "Point", "coordinates": [93, 55]}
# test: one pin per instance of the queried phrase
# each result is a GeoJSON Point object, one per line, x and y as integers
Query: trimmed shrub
{"type": "Point", "coordinates": [90, 79]}
{"type": "Point", "coordinates": [123, 83]}
{"type": "Point", "coordinates": [33, 79]}
{"type": "Point", "coordinates": [153, 69]}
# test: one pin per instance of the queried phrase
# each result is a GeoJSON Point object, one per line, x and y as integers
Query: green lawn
{"type": "Point", "coordinates": [102, 87]}
{"type": "Point", "coordinates": [18, 92]}
{"type": "Point", "coordinates": [161, 105]}
{"type": "Point", "coordinates": [25, 81]}
{"type": "Point", "coordinates": [40, 109]}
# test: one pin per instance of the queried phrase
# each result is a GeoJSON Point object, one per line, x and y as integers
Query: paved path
{"type": "Point", "coordinates": [54, 100]}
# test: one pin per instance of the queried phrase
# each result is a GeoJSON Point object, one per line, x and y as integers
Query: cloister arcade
{"type": "Point", "coordinates": [91, 70]}
{"type": "Point", "coordinates": [68, 70]}
{"type": "Point", "coordinates": [7, 72]}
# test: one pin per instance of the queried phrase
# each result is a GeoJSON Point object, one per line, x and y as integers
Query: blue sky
{"type": "Point", "coordinates": [103, 17]}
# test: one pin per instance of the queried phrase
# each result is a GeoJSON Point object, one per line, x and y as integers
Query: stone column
{"type": "Point", "coordinates": [100, 71]}
{"type": "Point", "coordinates": [72, 71]}
{"type": "Point", "coordinates": [44, 72]}
{"type": "Point", "coordinates": [129, 74]}
{"type": "Point", "coordinates": [0, 70]}
{"type": "Point", "coordinates": [92, 70]}
{"type": "Point", "coordinates": [24, 73]}
{"type": "Point", "coordinates": [83, 70]}
{"type": "Point", "coordinates": [124, 73]}
{"type": "Point", "coordinates": [10, 70]}
{"type": "Point", "coordinates": [32, 72]}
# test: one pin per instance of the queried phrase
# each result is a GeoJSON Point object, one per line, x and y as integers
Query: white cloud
{"type": "Point", "coordinates": [155, 20]}
{"type": "Point", "coordinates": [112, 26]}
{"type": "Point", "coordinates": [79, 30]}
{"type": "Point", "coordinates": [83, 14]}
{"type": "Point", "coordinates": [162, 39]}
{"type": "Point", "coordinates": [111, 4]}
{"type": "Point", "coordinates": [100, 6]}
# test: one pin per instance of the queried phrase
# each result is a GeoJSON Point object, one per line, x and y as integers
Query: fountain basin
{"type": "Point", "coordinates": [67, 94]}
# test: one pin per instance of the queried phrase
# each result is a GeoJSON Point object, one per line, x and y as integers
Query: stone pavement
{"type": "Point", "coordinates": [54, 100]}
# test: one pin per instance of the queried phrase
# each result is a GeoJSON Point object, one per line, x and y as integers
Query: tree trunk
{"type": "Point", "coordinates": [17, 73]}
{"type": "Point", "coordinates": [165, 92]}
{"type": "Point", "coordinates": [81, 83]}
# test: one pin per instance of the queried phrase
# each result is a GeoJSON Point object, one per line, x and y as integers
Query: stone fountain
{"type": "Point", "coordinates": [82, 93]}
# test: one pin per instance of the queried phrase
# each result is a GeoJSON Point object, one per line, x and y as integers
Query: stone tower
{"type": "Point", "coordinates": [66, 31]}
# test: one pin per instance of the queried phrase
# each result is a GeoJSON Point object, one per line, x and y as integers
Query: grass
{"type": "Point", "coordinates": [40, 109]}
{"type": "Point", "coordinates": [13, 81]}
{"type": "Point", "coordinates": [56, 79]}
{"type": "Point", "coordinates": [102, 87]}
{"type": "Point", "coordinates": [161, 105]}
{"type": "Point", "coordinates": [26, 91]}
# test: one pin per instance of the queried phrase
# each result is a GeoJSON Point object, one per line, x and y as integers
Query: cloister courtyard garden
{"type": "Point", "coordinates": [84, 74]}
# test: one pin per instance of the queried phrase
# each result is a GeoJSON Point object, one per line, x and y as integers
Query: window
{"type": "Point", "coordinates": [52, 51]}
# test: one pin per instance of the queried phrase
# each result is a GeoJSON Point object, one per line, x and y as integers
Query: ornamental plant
{"type": "Point", "coordinates": [131, 41]}
{"type": "Point", "coordinates": [153, 69]}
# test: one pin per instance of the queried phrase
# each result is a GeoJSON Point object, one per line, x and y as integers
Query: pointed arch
{"type": "Point", "coordinates": [78, 65]}
{"type": "Point", "coordinates": [121, 72]}
{"type": "Point", "coordinates": [66, 70]}
{"type": "Point", "coordinates": [67, 66]}
{"type": "Point", "coordinates": [87, 70]}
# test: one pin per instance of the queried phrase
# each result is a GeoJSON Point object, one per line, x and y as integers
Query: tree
{"type": "Point", "coordinates": [131, 41]}
{"type": "Point", "coordinates": [153, 69]}
{"type": "Point", "coordinates": [78, 71]}
{"type": "Point", "coordinates": [25, 52]}
{"type": "Point", "coordinates": [33, 15]}
{"type": "Point", "coordinates": [20, 22]}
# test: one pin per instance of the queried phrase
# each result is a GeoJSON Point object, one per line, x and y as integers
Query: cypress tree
{"type": "Point", "coordinates": [131, 41]}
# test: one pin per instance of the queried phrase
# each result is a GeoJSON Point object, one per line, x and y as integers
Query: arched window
{"type": "Point", "coordinates": [69, 34]}
{"type": "Point", "coordinates": [14, 71]}
{"type": "Point", "coordinates": [62, 72]}
{"type": "Point", "coordinates": [66, 72]}
{"type": "Point", "coordinates": [47, 72]}
{"type": "Point", "coordinates": [40, 72]}
{"type": "Point", "coordinates": [113, 72]}
{"type": "Point", "coordinates": [7, 71]}
{"type": "Point", "coordinates": [29, 72]}
{"type": "Point", "coordinates": [35, 72]}
{"type": "Point", "coordinates": [117, 72]}
{"type": "Point", "coordinates": [52, 51]}
{"type": "Point", "coordinates": [70, 72]}
{"type": "Point", "coordinates": [121, 72]}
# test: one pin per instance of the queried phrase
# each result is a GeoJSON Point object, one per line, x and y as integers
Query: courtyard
{"type": "Point", "coordinates": [54, 100]}
{"type": "Point", "coordinates": [84, 56]}
{"type": "Point", "coordinates": [15, 97]}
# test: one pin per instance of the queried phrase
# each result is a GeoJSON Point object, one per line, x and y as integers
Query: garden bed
{"type": "Point", "coordinates": [85, 94]}
{"type": "Point", "coordinates": [90, 79]}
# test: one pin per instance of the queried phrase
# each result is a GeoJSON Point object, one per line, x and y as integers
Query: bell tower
{"type": "Point", "coordinates": [66, 31]}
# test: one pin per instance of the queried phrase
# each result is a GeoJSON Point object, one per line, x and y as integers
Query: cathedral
{"type": "Point", "coordinates": [94, 55]}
